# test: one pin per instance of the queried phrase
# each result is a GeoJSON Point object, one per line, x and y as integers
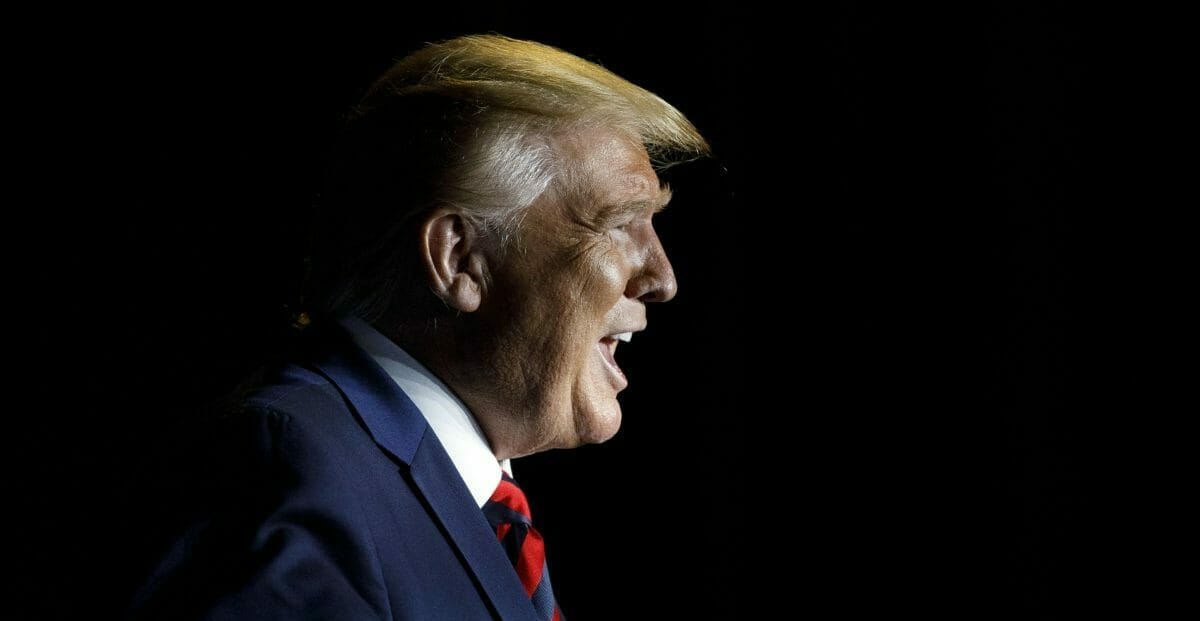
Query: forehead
{"type": "Point", "coordinates": [615, 168]}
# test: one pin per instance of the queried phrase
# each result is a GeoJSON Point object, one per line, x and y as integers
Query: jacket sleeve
{"type": "Point", "coordinates": [271, 530]}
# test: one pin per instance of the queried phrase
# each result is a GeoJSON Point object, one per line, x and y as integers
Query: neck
{"type": "Point", "coordinates": [457, 361]}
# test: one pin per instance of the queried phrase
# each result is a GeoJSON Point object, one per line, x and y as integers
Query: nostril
{"type": "Point", "coordinates": [660, 287]}
{"type": "Point", "coordinates": [654, 281]}
{"type": "Point", "coordinates": [665, 290]}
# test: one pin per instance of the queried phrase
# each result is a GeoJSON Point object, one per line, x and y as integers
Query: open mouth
{"type": "Point", "coordinates": [607, 348]}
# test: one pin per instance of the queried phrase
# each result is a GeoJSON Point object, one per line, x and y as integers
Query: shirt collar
{"type": "Point", "coordinates": [446, 414]}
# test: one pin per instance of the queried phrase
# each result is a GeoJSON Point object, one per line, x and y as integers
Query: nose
{"type": "Point", "coordinates": [655, 282]}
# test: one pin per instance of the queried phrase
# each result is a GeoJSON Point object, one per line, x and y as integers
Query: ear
{"type": "Point", "coordinates": [454, 259]}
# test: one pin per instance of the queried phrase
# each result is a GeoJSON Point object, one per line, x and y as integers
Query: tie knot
{"type": "Point", "coordinates": [508, 503]}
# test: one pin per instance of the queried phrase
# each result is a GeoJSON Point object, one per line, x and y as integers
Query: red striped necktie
{"type": "Point", "coordinates": [508, 512]}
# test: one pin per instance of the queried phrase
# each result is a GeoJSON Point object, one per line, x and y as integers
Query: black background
{"type": "Point", "coordinates": [908, 369]}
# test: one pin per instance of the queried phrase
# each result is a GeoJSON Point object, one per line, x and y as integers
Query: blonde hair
{"type": "Point", "coordinates": [469, 122]}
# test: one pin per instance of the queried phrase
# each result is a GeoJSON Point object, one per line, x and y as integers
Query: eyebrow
{"type": "Point", "coordinates": [653, 205]}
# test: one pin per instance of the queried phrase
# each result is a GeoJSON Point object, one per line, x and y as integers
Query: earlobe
{"type": "Point", "coordinates": [453, 259]}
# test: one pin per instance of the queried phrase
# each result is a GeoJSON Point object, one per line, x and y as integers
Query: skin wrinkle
{"type": "Point", "coordinates": [527, 361]}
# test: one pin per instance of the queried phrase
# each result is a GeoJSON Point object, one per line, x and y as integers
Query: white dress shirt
{"type": "Point", "coordinates": [448, 416]}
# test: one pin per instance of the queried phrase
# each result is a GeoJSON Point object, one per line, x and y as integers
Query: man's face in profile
{"type": "Point", "coordinates": [575, 285]}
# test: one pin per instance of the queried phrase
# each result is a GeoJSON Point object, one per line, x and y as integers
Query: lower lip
{"type": "Point", "coordinates": [615, 376]}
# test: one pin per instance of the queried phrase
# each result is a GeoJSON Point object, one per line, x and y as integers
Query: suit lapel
{"type": "Point", "coordinates": [399, 428]}
{"type": "Point", "coordinates": [435, 475]}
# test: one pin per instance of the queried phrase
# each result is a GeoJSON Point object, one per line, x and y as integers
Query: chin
{"type": "Point", "coordinates": [599, 425]}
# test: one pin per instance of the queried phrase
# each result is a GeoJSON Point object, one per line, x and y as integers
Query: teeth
{"type": "Point", "coordinates": [624, 336]}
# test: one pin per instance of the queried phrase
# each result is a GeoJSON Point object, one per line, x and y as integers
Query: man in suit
{"type": "Point", "coordinates": [486, 244]}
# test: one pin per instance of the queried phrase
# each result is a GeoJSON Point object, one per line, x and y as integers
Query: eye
{"type": "Point", "coordinates": [623, 223]}
{"type": "Point", "coordinates": [632, 221]}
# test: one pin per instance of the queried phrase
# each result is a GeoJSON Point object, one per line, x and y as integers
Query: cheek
{"type": "Point", "coordinates": [588, 295]}
{"type": "Point", "coordinates": [608, 274]}
{"type": "Point", "coordinates": [587, 285]}
{"type": "Point", "coordinates": [568, 307]}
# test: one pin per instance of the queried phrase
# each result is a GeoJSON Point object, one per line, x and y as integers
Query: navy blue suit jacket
{"type": "Point", "coordinates": [329, 497]}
